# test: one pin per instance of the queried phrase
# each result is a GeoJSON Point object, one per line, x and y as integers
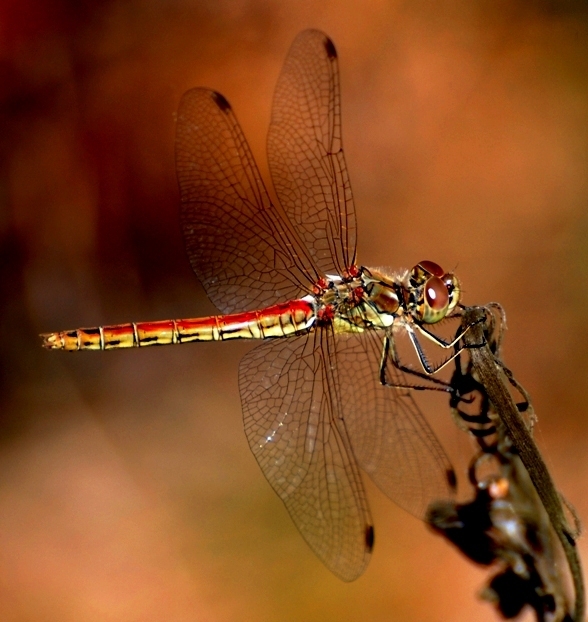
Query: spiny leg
{"type": "Point", "coordinates": [389, 353]}
{"type": "Point", "coordinates": [387, 349]}
{"type": "Point", "coordinates": [439, 341]}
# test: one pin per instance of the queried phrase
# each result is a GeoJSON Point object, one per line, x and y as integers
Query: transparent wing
{"type": "Point", "coordinates": [291, 408]}
{"type": "Point", "coordinates": [241, 247]}
{"type": "Point", "coordinates": [305, 152]}
{"type": "Point", "coordinates": [391, 439]}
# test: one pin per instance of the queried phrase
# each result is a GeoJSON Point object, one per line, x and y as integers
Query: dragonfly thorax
{"type": "Point", "coordinates": [370, 298]}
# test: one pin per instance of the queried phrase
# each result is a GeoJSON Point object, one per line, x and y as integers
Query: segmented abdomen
{"type": "Point", "coordinates": [281, 320]}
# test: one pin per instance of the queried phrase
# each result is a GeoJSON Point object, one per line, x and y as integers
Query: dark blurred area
{"type": "Point", "coordinates": [127, 490]}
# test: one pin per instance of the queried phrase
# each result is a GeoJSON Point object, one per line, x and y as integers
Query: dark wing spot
{"type": "Point", "coordinates": [369, 537]}
{"type": "Point", "coordinates": [451, 479]}
{"type": "Point", "coordinates": [330, 48]}
{"type": "Point", "coordinates": [221, 102]}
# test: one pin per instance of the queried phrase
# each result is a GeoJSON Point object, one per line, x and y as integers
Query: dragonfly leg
{"type": "Point", "coordinates": [443, 343]}
{"type": "Point", "coordinates": [432, 369]}
{"type": "Point", "coordinates": [389, 354]}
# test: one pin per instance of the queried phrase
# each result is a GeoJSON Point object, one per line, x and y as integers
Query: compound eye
{"type": "Point", "coordinates": [435, 300]}
{"type": "Point", "coordinates": [424, 270]}
{"type": "Point", "coordinates": [432, 268]}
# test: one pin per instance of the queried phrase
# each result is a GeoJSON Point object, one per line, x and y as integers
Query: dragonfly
{"type": "Point", "coordinates": [326, 394]}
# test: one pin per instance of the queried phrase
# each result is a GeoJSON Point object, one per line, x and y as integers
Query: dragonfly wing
{"type": "Point", "coordinates": [391, 438]}
{"type": "Point", "coordinates": [305, 152]}
{"type": "Point", "coordinates": [241, 247]}
{"type": "Point", "coordinates": [291, 409]}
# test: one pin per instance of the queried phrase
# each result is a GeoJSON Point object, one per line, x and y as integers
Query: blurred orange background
{"type": "Point", "coordinates": [127, 490]}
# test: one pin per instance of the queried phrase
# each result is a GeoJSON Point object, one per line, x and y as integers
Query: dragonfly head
{"type": "Point", "coordinates": [435, 293]}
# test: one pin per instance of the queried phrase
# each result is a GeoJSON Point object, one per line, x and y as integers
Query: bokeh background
{"type": "Point", "coordinates": [127, 490]}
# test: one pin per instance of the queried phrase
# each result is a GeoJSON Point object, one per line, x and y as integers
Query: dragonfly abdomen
{"type": "Point", "coordinates": [281, 320]}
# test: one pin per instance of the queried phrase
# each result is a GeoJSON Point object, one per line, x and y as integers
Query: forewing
{"type": "Point", "coordinates": [391, 438]}
{"type": "Point", "coordinates": [291, 411]}
{"type": "Point", "coordinates": [305, 152]}
{"type": "Point", "coordinates": [241, 247]}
